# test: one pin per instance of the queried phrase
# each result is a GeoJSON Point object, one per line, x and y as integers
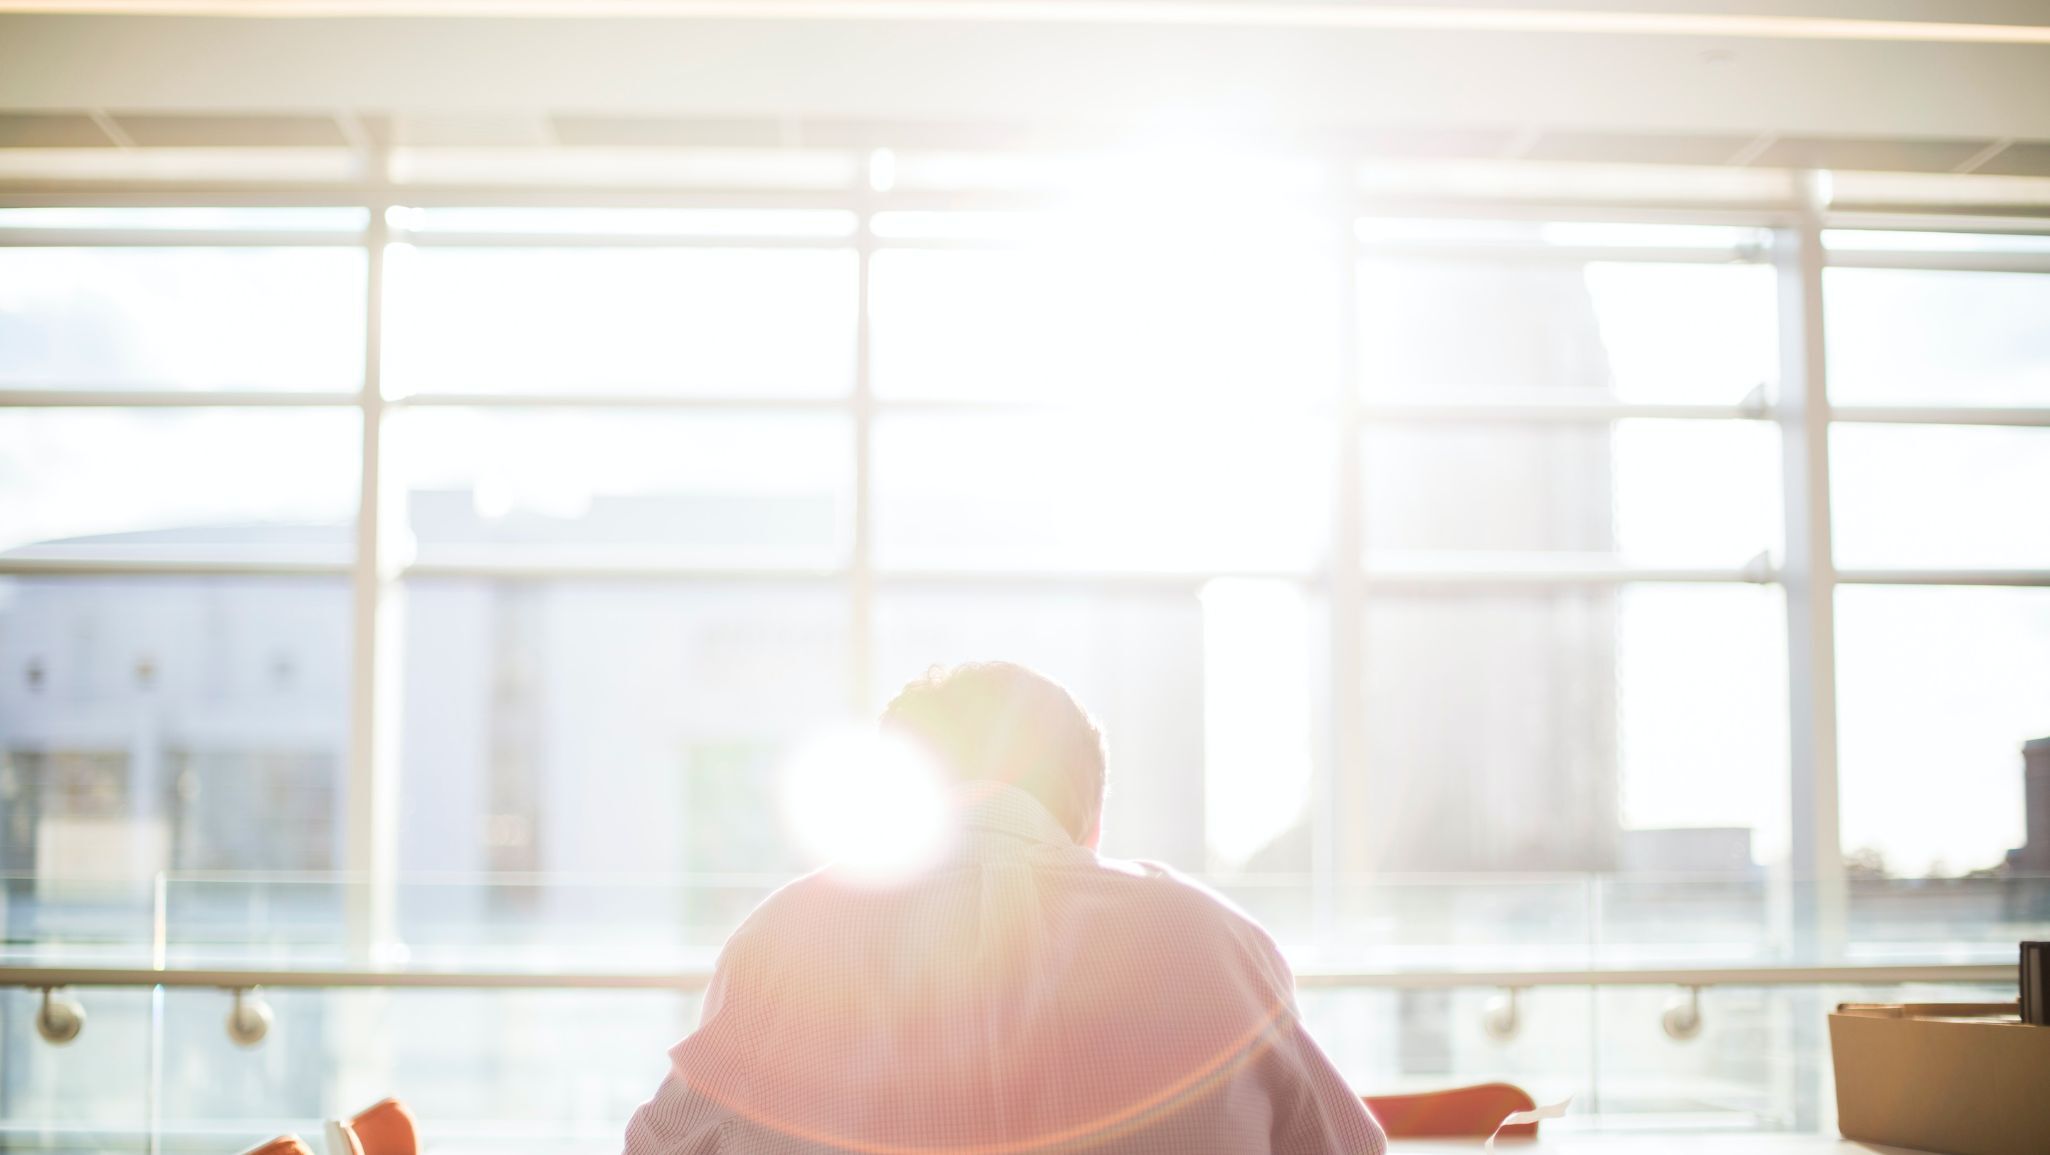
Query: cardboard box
{"type": "Point", "coordinates": [1958, 1078]}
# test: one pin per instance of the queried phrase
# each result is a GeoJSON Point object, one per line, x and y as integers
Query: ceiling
{"type": "Point", "coordinates": [1897, 86]}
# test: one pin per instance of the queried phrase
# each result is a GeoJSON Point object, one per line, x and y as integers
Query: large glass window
{"type": "Point", "coordinates": [1517, 684]}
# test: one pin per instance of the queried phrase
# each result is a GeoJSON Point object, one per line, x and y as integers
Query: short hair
{"type": "Point", "coordinates": [1000, 722]}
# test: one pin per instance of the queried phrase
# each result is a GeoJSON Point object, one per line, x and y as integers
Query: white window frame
{"type": "Point", "coordinates": [1801, 410]}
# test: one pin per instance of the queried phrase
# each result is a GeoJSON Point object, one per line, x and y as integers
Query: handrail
{"type": "Point", "coordinates": [241, 978]}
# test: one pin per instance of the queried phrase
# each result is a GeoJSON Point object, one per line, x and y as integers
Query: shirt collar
{"type": "Point", "coordinates": [1003, 809]}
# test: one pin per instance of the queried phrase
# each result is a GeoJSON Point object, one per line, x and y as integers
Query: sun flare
{"type": "Point", "coordinates": [873, 807]}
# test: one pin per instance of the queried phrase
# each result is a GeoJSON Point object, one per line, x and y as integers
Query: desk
{"type": "Point", "coordinates": [1584, 1143]}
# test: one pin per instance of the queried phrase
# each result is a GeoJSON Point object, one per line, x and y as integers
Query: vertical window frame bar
{"type": "Point", "coordinates": [370, 822]}
{"type": "Point", "coordinates": [1815, 869]}
{"type": "Point", "coordinates": [1341, 790]}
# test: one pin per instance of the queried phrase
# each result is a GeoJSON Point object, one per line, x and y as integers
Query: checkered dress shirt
{"type": "Point", "coordinates": [1026, 996]}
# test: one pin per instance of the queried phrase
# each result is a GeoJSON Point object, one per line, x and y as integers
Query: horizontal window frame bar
{"type": "Point", "coordinates": [1188, 582]}
{"type": "Point", "coordinates": [503, 239]}
{"type": "Point", "coordinates": [1252, 407]}
{"type": "Point", "coordinates": [227, 193]}
{"type": "Point", "coordinates": [103, 238]}
{"type": "Point", "coordinates": [1935, 261]}
{"type": "Point", "coordinates": [244, 978]}
{"type": "Point", "coordinates": [602, 570]}
{"type": "Point", "coordinates": [1374, 411]}
{"type": "Point", "coordinates": [1477, 410]}
{"type": "Point", "coordinates": [720, 403]}
{"type": "Point", "coordinates": [1975, 221]}
{"type": "Point", "coordinates": [85, 565]}
{"type": "Point", "coordinates": [1441, 579]}
{"type": "Point", "coordinates": [1754, 213]}
{"type": "Point", "coordinates": [1454, 412]}
{"type": "Point", "coordinates": [1943, 576]}
{"type": "Point", "coordinates": [1454, 578]}
{"type": "Point", "coordinates": [1483, 252]}
{"type": "Point", "coordinates": [1447, 250]}
{"type": "Point", "coordinates": [173, 398]}
{"type": "Point", "coordinates": [1051, 242]}
{"type": "Point", "coordinates": [2022, 416]}
{"type": "Point", "coordinates": [515, 569]}
{"type": "Point", "coordinates": [1440, 249]}
{"type": "Point", "coordinates": [355, 194]}
{"type": "Point", "coordinates": [1371, 412]}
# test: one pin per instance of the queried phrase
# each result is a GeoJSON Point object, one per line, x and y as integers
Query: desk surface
{"type": "Point", "coordinates": [1597, 1143]}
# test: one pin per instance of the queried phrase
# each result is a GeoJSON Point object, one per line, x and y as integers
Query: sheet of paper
{"type": "Point", "coordinates": [1545, 1111]}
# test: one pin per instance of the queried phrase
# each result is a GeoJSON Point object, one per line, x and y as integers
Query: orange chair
{"type": "Point", "coordinates": [1460, 1113]}
{"type": "Point", "coordinates": [282, 1145]}
{"type": "Point", "coordinates": [383, 1128]}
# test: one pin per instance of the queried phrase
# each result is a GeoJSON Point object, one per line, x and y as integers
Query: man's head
{"type": "Point", "coordinates": [999, 722]}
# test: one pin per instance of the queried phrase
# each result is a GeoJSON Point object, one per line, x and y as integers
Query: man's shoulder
{"type": "Point", "coordinates": [1145, 892]}
{"type": "Point", "coordinates": [1158, 893]}
{"type": "Point", "coordinates": [798, 900]}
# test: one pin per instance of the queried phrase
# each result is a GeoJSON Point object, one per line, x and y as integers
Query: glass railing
{"type": "Point", "coordinates": [1659, 1004]}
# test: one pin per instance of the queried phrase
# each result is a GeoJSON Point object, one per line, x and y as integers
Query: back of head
{"type": "Point", "coordinates": [1000, 722]}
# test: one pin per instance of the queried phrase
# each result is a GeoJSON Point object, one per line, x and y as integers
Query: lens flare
{"type": "Point", "coordinates": [872, 806]}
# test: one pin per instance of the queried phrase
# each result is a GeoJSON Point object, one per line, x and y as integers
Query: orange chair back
{"type": "Point", "coordinates": [386, 1128]}
{"type": "Point", "coordinates": [1459, 1113]}
{"type": "Point", "coordinates": [282, 1145]}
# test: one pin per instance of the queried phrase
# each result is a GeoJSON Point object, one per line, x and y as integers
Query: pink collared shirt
{"type": "Point", "coordinates": [1026, 996]}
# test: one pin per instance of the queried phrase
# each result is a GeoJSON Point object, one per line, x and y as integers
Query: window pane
{"type": "Point", "coordinates": [1701, 697]}
{"type": "Point", "coordinates": [1940, 495]}
{"type": "Point", "coordinates": [154, 724]}
{"type": "Point", "coordinates": [213, 481]}
{"type": "Point", "coordinates": [182, 318]}
{"type": "Point", "coordinates": [605, 728]}
{"type": "Point", "coordinates": [1166, 321]}
{"type": "Point", "coordinates": [1574, 729]}
{"type": "Point", "coordinates": [664, 487]}
{"type": "Point", "coordinates": [1648, 332]}
{"type": "Point", "coordinates": [1647, 492]}
{"type": "Point", "coordinates": [1938, 337]}
{"type": "Point", "coordinates": [1042, 493]}
{"type": "Point", "coordinates": [637, 320]}
{"type": "Point", "coordinates": [1937, 688]}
